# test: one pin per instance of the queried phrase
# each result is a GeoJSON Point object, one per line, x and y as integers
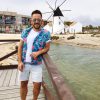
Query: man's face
{"type": "Point", "coordinates": [36, 21]}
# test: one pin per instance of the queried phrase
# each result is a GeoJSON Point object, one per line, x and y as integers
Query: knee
{"type": "Point", "coordinates": [23, 84]}
{"type": "Point", "coordinates": [37, 86]}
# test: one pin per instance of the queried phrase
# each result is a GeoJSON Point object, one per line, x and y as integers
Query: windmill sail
{"type": "Point", "coordinates": [57, 23]}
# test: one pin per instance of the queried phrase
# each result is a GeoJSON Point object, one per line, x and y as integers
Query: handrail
{"type": "Point", "coordinates": [8, 55]}
{"type": "Point", "coordinates": [63, 91]}
{"type": "Point", "coordinates": [48, 94]}
{"type": "Point", "coordinates": [5, 67]}
{"type": "Point", "coordinates": [9, 40]}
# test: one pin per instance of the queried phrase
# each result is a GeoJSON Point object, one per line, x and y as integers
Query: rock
{"type": "Point", "coordinates": [71, 37]}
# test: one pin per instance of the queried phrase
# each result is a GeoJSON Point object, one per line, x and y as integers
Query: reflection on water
{"type": "Point", "coordinates": [81, 69]}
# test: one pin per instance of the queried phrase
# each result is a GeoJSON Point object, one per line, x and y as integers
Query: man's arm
{"type": "Point", "coordinates": [20, 51]}
{"type": "Point", "coordinates": [44, 50]}
{"type": "Point", "coordinates": [20, 64]}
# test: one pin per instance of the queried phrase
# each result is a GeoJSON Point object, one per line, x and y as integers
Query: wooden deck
{"type": "Point", "coordinates": [9, 86]}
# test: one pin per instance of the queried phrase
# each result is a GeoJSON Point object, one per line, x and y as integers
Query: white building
{"type": "Point", "coordinates": [48, 27]}
{"type": "Point", "coordinates": [56, 26]}
{"type": "Point", "coordinates": [75, 27]}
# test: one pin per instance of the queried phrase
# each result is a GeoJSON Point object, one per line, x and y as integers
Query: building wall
{"type": "Point", "coordinates": [76, 28]}
{"type": "Point", "coordinates": [12, 22]}
{"type": "Point", "coordinates": [58, 26]}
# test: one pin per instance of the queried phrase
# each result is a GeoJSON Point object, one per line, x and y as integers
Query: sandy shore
{"type": "Point", "coordinates": [83, 40]}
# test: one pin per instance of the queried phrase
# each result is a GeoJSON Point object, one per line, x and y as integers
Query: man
{"type": "Point", "coordinates": [34, 42]}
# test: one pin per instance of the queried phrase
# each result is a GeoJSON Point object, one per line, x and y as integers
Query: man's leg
{"type": "Point", "coordinates": [23, 90]}
{"type": "Point", "coordinates": [23, 78]}
{"type": "Point", "coordinates": [36, 90]}
{"type": "Point", "coordinates": [36, 79]}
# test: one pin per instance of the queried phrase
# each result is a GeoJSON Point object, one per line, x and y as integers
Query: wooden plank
{"type": "Point", "coordinates": [7, 65]}
{"type": "Point", "coordinates": [13, 77]}
{"type": "Point", "coordinates": [8, 87]}
{"type": "Point", "coordinates": [1, 71]}
{"type": "Point", "coordinates": [14, 94]}
{"type": "Point", "coordinates": [12, 87]}
{"type": "Point", "coordinates": [8, 55]}
{"type": "Point", "coordinates": [17, 83]}
{"type": "Point", "coordinates": [9, 40]}
{"type": "Point", "coordinates": [2, 78]}
{"type": "Point", "coordinates": [28, 98]}
{"type": "Point", "coordinates": [10, 91]}
{"type": "Point", "coordinates": [7, 78]}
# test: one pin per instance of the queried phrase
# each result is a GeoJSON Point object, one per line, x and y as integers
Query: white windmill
{"type": "Point", "coordinates": [57, 23]}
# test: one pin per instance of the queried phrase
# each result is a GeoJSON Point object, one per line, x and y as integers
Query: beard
{"type": "Point", "coordinates": [37, 26]}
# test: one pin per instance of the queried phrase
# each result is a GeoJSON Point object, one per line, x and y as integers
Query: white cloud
{"type": "Point", "coordinates": [81, 9]}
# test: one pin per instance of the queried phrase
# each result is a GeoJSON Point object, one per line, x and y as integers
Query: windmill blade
{"type": "Point", "coordinates": [49, 6]}
{"type": "Point", "coordinates": [50, 16]}
{"type": "Point", "coordinates": [66, 10]}
{"type": "Point", "coordinates": [55, 3]}
{"type": "Point", "coordinates": [47, 12]}
{"type": "Point", "coordinates": [62, 3]}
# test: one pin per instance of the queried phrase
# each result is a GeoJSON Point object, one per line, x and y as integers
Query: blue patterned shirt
{"type": "Point", "coordinates": [38, 44]}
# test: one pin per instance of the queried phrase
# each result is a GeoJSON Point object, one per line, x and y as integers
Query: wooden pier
{"type": "Point", "coordinates": [9, 86]}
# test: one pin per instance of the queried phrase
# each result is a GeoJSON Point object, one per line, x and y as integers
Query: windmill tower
{"type": "Point", "coordinates": [57, 23]}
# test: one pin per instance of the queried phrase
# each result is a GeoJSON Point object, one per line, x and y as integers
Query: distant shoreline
{"type": "Point", "coordinates": [82, 40]}
{"type": "Point", "coordinates": [78, 44]}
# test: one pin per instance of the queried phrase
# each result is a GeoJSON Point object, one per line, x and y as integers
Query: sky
{"type": "Point", "coordinates": [84, 11]}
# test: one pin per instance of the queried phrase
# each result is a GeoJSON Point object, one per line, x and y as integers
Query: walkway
{"type": "Point", "coordinates": [9, 87]}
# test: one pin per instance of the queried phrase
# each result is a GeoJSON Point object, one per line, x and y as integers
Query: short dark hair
{"type": "Point", "coordinates": [36, 12]}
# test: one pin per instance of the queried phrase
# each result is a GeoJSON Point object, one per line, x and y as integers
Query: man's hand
{"type": "Point", "coordinates": [35, 54]}
{"type": "Point", "coordinates": [42, 51]}
{"type": "Point", "coordinates": [20, 66]}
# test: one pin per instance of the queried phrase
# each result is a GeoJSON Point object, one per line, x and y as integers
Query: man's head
{"type": "Point", "coordinates": [36, 19]}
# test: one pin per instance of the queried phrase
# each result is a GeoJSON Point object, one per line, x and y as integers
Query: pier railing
{"type": "Point", "coordinates": [63, 92]}
{"type": "Point", "coordinates": [9, 54]}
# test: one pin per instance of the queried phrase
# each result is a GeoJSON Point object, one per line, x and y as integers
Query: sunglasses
{"type": "Point", "coordinates": [36, 20]}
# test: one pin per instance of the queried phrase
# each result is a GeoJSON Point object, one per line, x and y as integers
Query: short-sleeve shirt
{"type": "Point", "coordinates": [39, 43]}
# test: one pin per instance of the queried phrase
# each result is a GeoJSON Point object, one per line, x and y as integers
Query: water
{"type": "Point", "coordinates": [80, 68]}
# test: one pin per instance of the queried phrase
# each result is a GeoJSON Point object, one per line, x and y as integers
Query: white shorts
{"type": "Point", "coordinates": [34, 70]}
